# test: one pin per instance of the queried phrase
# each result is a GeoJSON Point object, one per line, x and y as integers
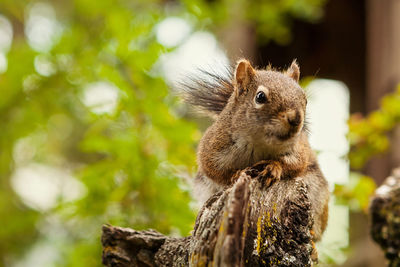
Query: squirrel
{"type": "Point", "coordinates": [259, 116]}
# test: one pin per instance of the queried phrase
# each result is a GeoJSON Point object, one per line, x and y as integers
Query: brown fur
{"type": "Point", "coordinates": [235, 140]}
{"type": "Point", "coordinates": [246, 132]}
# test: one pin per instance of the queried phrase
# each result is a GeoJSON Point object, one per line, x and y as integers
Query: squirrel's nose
{"type": "Point", "coordinates": [294, 118]}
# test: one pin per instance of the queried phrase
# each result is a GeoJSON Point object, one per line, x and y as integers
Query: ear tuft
{"type": "Point", "coordinates": [294, 71]}
{"type": "Point", "coordinates": [244, 74]}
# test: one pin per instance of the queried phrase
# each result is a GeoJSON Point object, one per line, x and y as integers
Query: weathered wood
{"type": "Point", "coordinates": [248, 224]}
{"type": "Point", "coordinates": [385, 217]}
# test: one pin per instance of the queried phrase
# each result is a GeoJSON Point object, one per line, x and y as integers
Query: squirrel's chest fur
{"type": "Point", "coordinates": [220, 150]}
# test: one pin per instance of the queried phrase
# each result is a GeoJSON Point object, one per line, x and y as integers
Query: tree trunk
{"type": "Point", "coordinates": [385, 217]}
{"type": "Point", "coordinates": [383, 72]}
{"type": "Point", "coordinates": [247, 224]}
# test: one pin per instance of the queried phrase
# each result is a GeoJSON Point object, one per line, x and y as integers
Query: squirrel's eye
{"type": "Point", "coordinates": [261, 98]}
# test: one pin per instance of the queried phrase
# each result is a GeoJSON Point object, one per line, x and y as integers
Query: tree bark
{"type": "Point", "coordinates": [385, 217]}
{"type": "Point", "coordinates": [247, 224]}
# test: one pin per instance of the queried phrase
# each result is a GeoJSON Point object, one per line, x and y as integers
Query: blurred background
{"type": "Point", "coordinates": [91, 132]}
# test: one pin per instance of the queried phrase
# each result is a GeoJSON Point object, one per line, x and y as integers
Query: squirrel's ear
{"type": "Point", "coordinates": [294, 71]}
{"type": "Point", "coordinates": [244, 74]}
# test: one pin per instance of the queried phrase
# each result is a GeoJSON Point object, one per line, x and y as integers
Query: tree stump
{"type": "Point", "coordinates": [385, 217]}
{"type": "Point", "coordinates": [247, 224]}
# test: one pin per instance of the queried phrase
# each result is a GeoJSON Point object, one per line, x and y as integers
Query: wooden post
{"type": "Point", "coordinates": [248, 224]}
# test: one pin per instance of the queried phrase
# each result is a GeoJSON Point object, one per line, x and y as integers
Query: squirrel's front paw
{"type": "Point", "coordinates": [272, 172]}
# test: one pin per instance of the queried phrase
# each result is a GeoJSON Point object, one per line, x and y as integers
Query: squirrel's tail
{"type": "Point", "coordinates": [208, 91]}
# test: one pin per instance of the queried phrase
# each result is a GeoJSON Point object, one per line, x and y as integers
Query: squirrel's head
{"type": "Point", "coordinates": [268, 104]}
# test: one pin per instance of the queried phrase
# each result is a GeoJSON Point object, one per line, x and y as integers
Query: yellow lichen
{"type": "Point", "coordinates": [259, 221]}
{"type": "Point", "coordinates": [224, 219]}
{"type": "Point", "coordinates": [268, 219]}
{"type": "Point", "coordinates": [274, 207]}
{"type": "Point", "coordinates": [198, 260]}
{"type": "Point", "coordinates": [109, 249]}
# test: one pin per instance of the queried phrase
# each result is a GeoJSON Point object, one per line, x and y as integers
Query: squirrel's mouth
{"type": "Point", "coordinates": [291, 132]}
{"type": "Point", "coordinates": [288, 124]}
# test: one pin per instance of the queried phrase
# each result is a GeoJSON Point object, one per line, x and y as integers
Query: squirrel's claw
{"type": "Point", "coordinates": [271, 173]}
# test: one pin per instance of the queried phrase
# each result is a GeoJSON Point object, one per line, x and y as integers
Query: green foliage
{"type": "Point", "coordinates": [125, 159]}
{"type": "Point", "coordinates": [369, 136]}
{"type": "Point", "coordinates": [357, 192]}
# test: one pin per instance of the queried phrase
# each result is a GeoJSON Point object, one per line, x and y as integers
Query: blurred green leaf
{"type": "Point", "coordinates": [357, 192]}
{"type": "Point", "coordinates": [369, 136]}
